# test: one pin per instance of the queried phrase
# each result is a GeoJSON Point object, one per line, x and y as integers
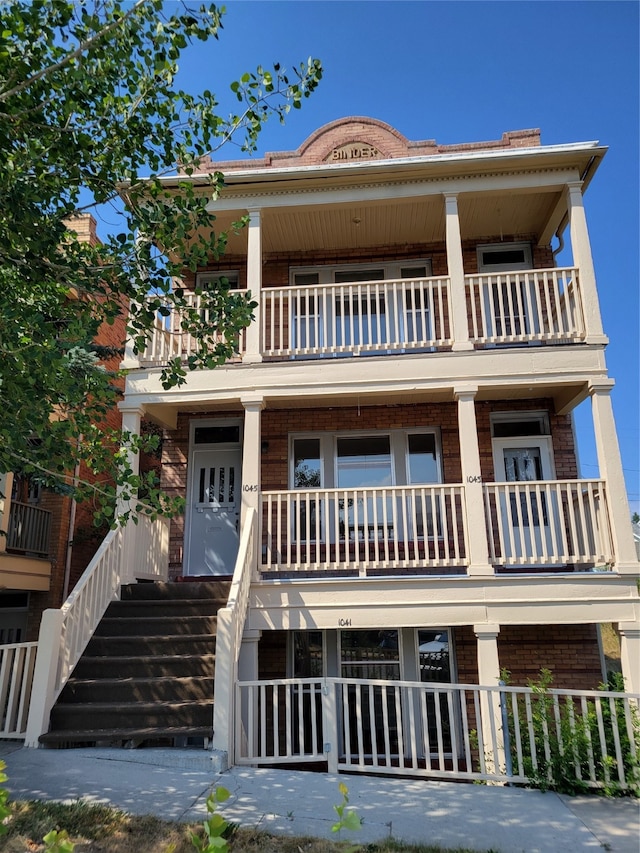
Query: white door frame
{"type": "Point", "coordinates": [210, 447]}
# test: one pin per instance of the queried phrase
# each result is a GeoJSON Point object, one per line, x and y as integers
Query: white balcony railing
{"type": "Point", "coordinates": [549, 523]}
{"type": "Point", "coordinates": [461, 731]}
{"type": "Point", "coordinates": [359, 317]}
{"type": "Point", "coordinates": [525, 306]}
{"type": "Point", "coordinates": [397, 316]}
{"type": "Point", "coordinates": [169, 341]}
{"type": "Point", "coordinates": [364, 530]}
{"type": "Point", "coordinates": [65, 632]}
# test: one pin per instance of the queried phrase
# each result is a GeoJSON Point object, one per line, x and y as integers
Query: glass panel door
{"type": "Point", "coordinates": [372, 716]}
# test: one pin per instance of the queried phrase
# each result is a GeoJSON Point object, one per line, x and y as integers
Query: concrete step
{"type": "Point", "coordinates": [146, 689]}
{"type": "Point", "coordinates": [150, 715]}
{"type": "Point", "coordinates": [155, 626]}
{"type": "Point", "coordinates": [190, 644]}
{"type": "Point", "coordinates": [141, 666]}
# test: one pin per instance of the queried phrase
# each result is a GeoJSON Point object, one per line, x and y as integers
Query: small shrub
{"type": "Point", "coordinates": [563, 742]}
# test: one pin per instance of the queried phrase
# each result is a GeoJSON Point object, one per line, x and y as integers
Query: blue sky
{"type": "Point", "coordinates": [464, 72]}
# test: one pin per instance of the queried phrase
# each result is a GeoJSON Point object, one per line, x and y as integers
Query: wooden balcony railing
{"type": "Point", "coordinates": [557, 523]}
{"type": "Point", "coordinates": [356, 318]}
{"type": "Point", "coordinates": [552, 525]}
{"type": "Point", "coordinates": [525, 306]}
{"type": "Point", "coordinates": [364, 531]}
{"type": "Point", "coordinates": [29, 530]}
{"type": "Point", "coordinates": [169, 341]}
{"type": "Point", "coordinates": [391, 317]}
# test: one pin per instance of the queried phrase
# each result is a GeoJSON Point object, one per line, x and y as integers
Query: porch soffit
{"type": "Point", "coordinates": [322, 223]}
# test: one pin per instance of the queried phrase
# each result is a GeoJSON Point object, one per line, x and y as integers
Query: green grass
{"type": "Point", "coordinates": [99, 829]}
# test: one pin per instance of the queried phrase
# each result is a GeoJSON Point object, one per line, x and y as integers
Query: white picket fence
{"type": "Point", "coordinates": [448, 731]}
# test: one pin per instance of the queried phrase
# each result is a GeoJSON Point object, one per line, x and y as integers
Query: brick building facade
{"type": "Point", "coordinates": [396, 430]}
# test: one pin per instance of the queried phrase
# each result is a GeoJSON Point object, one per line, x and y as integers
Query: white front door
{"type": "Point", "coordinates": [527, 512]}
{"type": "Point", "coordinates": [214, 511]}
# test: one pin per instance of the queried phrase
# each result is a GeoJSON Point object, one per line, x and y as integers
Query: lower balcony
{"type": "Point", "coordinates": [531, 527]}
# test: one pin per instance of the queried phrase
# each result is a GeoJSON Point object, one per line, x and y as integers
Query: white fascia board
{"type": "Point", "coordinates": [271, 173]}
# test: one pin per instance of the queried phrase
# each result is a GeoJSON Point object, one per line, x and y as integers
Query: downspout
{"type": "Point", "coordinates": [72, 522]}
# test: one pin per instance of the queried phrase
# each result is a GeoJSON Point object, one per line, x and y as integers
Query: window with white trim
{"type": "Point", "coordinates": [368, 315]}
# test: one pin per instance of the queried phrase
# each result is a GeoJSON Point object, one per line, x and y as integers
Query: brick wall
{"type": "Point", "coordinates": [571, 652]}
{"type": "Point", "coordinates": [275, 269]}
{"type": "Point", "coordinates": [386, 142]}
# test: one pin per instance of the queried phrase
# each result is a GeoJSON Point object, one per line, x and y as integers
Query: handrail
{"type": "Point", "coordinates": [356, 317]}
{"type": "Point", "coordinates": [441, 730]}
{"type": "Point", "coordinates": [230, 627]}
{"type": "Point", "coordinates": [376, 528]}
{"type": "Point", "coordinates": [64, 633]}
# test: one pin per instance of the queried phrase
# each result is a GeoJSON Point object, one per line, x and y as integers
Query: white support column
{"type": "Point", "coordinates": [248, 671]}
{"type": "Point", "coordinates": [489, 676]}
{"type": "Point", "coordinates": [253, 352]}
{"type": "Point", "coordinates": [583, 260]}
{"type": "Point", "coordinates": [630, 655]}
{"type": "Point", "coordinates": [45, 676]}
{"type": "Point", "coordinates": [251, 455]}
{"type": "Point", "coordinates": [458, 306]}
{"type": "Point", "coordinates": [130, 360]}
{"type": "Point", "coordinates": [478, 556]}
{"type": "Point", "coordinates": [610, 465]}
{"type": "Point", "coordinates": [131, 419]}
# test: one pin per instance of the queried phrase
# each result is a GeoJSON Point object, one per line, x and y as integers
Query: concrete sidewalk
{"type": "Point", "coordinates": [174, 784]}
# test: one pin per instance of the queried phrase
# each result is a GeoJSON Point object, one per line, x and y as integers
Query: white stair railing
{"type": "Point", "coordinates": [230, 626]}
{"type": "Point", "coordinates": [64, 633]}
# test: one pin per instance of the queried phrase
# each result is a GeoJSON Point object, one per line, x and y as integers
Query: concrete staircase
{"type": "Point", "coordinates": [146, 676]}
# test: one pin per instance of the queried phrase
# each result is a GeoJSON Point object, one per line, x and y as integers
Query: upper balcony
{"type": "Point", "coordinates": [408, 315]}
{"type": "Point", "coordinates": [403, 252]}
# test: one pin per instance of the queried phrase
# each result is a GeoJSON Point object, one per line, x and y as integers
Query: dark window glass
{"type": "Point", "coordinates": [228, 434]}
{"type": "Point", "coordinates": [504, 257]}
{"type": "Point", "coordinates": [511, 429]}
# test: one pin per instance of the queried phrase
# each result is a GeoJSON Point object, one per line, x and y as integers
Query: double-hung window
{"type": "Point", "coordinates": [347, 482]}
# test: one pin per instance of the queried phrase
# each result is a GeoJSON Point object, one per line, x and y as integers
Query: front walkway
{"type": "Point", "coordinates": [174, 784]}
